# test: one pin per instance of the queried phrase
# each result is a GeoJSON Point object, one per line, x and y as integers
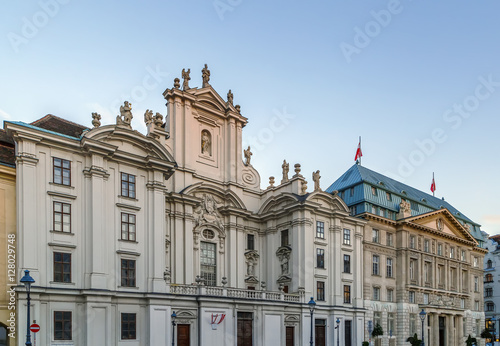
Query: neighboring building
{"type": "Point", "coordinates": [7, 237]}
{"type": "Point", "coordinates": [420, 253]}
{"type": "Point", "coordinates": [121, 229]}
{"type": "Point", "coordinates": [491, 283]}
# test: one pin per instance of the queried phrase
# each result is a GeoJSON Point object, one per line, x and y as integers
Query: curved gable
{"type": "Point", "coordinates": [328, 201]}
{"type": "Point", "coordinates": [227, 196]}
{"type": "Point", "coordinates": [278, 202]}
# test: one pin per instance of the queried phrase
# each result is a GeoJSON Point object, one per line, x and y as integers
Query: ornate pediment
{"type": "Point", "coordinates": [207, 212]}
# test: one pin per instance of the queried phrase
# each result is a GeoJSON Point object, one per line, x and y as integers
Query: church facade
{"type": "Point", "coordinates": [126, 234]}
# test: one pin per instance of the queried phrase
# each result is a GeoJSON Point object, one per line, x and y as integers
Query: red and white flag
{"type": "Point", "coordinates": [433, 184]}
{"type": "Point", "coordinates": [359, 153]}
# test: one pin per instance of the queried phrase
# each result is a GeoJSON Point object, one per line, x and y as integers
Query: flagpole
{"type": "Point", "coordinates": [360, 147]}
{"type": "Point", "coordinates": [433, 182]}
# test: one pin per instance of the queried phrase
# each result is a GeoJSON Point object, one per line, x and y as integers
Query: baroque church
{"type": "Point", "coordinates": [168, 238]}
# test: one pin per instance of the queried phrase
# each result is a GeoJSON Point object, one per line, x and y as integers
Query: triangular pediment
{"type": "Point", "coordinates": [442, 221]}
{"type": "Point", "coordinates": [209, 101]}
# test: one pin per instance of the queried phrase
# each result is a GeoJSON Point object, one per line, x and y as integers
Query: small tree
{"type": "Point", "coordinates": [365, 343]}
{"type": "Point", "coordinates": [377, 331]}
{"type": "Point", "coordinates": [414, 340]}
{"type": "Point", "coordinates": [485, 334]}
{"type": "Point", "coordinates": [471, 341]}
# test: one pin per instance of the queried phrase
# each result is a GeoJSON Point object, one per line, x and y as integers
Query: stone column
{"type": "Point", "coordinates": [460, 329]}
{"type": "Point", "coordinates": [435, 329]}
{"type": "Point", "coordinates": [450, 331]}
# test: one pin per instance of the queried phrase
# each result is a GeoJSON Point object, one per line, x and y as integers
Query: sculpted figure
{"type": "Point", "coordinates": [205, 143]}
{"type": "Point", "coordinates": [125, 117]}
{"type": "Point", "coordinates": [205, 75]}
{"type": "Point", "coordinates": [284, 263]}
{"type": "Point", "coordinates": [186, 79]}
{"type": "Point", "coordinates": [286, 167]}
{"type": "Point", "coordinates": [248, 156]}
{"type": "Point", "coordinates": [405, 206]}
{"type": "Point", "coordinates": [230, 97]}
{"type": "Point", "coordinates": [158, 119]}
{"type": "Point", "coordinates": [316, 178]}
{"type": "Point", "coordinates": [148, 117]}
{"type": "Point", "coordinates": [96, 117]}
{"type": "Point", "coordinates": [177, 83]}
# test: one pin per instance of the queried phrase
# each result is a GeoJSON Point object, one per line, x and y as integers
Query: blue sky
{"type": "Point", "coordinates": [418, 80]}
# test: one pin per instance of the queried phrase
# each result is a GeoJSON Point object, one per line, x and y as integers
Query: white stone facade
{"type": "Point", "coordinates": [176, 221]}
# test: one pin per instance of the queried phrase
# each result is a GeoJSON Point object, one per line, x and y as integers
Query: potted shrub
{"type": "Point", "coordinates": [414, 340]}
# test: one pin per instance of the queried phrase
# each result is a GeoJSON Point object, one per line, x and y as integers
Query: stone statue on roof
{"type": "Point", "coordinates": [148, 117]}
{"type": "Point", "coordinates": [125, 117]}
{"type": "Point", "coordinates": [186, 79]}
{"type": "Point", "coordinates": [286, 168]}
{"type": "Point", "coordinates": [205, 75]}
{"type": "Point", "coordinates": [230, 97]}
{"type": "Point", "coordinates": [96, 120]}
{"type": "Point", "coordinates": [316, 178]}
{"type": "Point", "coordinates": [248, 156]}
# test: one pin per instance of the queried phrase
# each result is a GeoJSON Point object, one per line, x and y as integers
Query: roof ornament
{"type": "Point", "coordinates": [230, 97]}
{"type": "Point", "coordinates": [96, 120]}
{"type": "Point", "coordinates": [205, 75]}
{"type": "Point", "coordinates": [125, 117]}
{"type": "Point", "coordinates": [286, 168]}
{"type": "Point", "coordinates": [238, 108]}
{"type": "Point", "coordinates": [177, 83]}
{"type": "Point", "coordinates": [186, 79]}
{"type": "Point", "coordinates": [148, 117]}
{"type": "Point", "coordinates": [248, 156]}
{"type": "Point", "coordinates": [316, 178]}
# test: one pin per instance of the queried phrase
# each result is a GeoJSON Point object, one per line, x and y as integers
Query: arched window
{"type": "Point", "coordinates": [489, 264]}
{"type": "Point", "coordinates": [489, 278]}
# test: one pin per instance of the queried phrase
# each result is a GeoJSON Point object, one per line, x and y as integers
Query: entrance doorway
{"type": "Point", "coordinates": [290, 336]}
{"type": "Point", "coordinates": [245, 328]}
{"type": "Point", "coordinates": [442, 331]}
{"type": "Point", "coordinates": [320, 333]}
{"type": "Point", "coordinates": [183, 335]}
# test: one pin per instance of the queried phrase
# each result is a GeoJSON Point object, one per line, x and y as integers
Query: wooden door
{"type": "Point", "coordinates": [183, 335]}
{"type": "Point", "coordinates": [290, 336]}
{"type": "Point", "coordinates": [320, 338]}
{"type": "Point", "coordinates": [245, 329]}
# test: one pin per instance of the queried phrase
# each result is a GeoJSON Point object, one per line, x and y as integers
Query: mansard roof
{"type": "Point", "coordinates": [360, 175]}
{"type": "Point", "coordinates": [55, 124]}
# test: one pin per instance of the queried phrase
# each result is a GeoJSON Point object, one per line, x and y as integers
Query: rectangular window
{"type": "Point", "coordinates": [475, 261]}
{"type": "Point", "coordinates": [412, 242]}
{"type": "Point", "coordinates": [62, 325]}
{"type": "Point", "coordinates": [389, 239]}
{"type": "Point", "coordinates": [320, 291]}
{"type": "Point", "coordinates": [426, 298]}
{"type": "Point", "coordinates": [388, 196]}
{"type": "Point", "coordinates": [390, 323]}
{"type": "Point", "coordinates": [411, 297]}
{"type": "Point", "coordinates": [62, 171]}
{"type": "Point", "coordinates": [389, 268]}
{"type": "Point", "coordinates": [351, 192]}
{"type": "Point", "coordinates": [320, 229]}
{"type": "Point", "coordinates": [128, 273]}
{"type": "Point", "coordinates": [426, 245]}
{"type": "Point", "coordinates": [250, 242]}
{"type": "Point", "coordinates": [208, 263]}
{"type": "Point", "coordinates": [347, 236]}
{"type": "Point", "coordinates": [320, 258]}
{"type": "Point", "coordinates": [452, 252]}
{"type": "Point", "coordinates": [440, 249]}
{"type": "Point", "coordinates": [62, 217]}
{"type": "Point", "coordinates": [441, 274]}
{"type": "Point", "coordinates": [374, 191]}
{"type": "Point", "coordinates": [128, 185]}
{"type": "Point", "coordinates": [412, 269]}
{"type": "Point", "coordinates": [128, 227]}
{"type": "Point", "coordinates": [390, 295]}
{"type": "Point", "coordinates": [476, 305]}
{"type": "Point", "coordinates": [376, 293]}
{"type": "Point", "coordinates": [462, 303]}
{"type": "Point", "coordinates": [377, 318]}
{"type": "Point", "coordinates": [413, 324]}
{"type": "Point", "coordinates": [347, 294]}
{"type": "Point", "coordinates": [375, 267]}
{"type": "Point", "coordinates": [129, 326]}
{"type": "Point", "coordinates": [352, 210]}
{"type": "Point", "coordinates": [463, 255]}
{"type": "Point", "coordinates": [347, 263]}
{"type": "Point", "coordinates": [375, 236]}
{"type": "Point", "coordinates": [488, 292]}
{"type": "Point", "coordinates": [284, 238]}
{"type": "Point", "coordinates": [476, 284]}
{"type": "Point", "coordinates": [62, 267]}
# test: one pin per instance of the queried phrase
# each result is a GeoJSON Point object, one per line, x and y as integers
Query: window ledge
{"type": "Point", "coordinates": [128, 198]}
{"type": "Point", "coordinates": [61, 232]}
{"type": "Point", "coordinates": [62, 185]}
{"type": "Point", "coordinates": [128, 241]}
{"type": "Point", "coordinates": [62, 283]}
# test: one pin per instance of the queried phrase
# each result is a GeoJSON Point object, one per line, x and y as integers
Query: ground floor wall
{"type": "Point", "coordinates": [97, 318]}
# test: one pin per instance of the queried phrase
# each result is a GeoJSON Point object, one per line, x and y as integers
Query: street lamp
{"type": "Point", "coordinates": [27, 280]}
{"type": "Point", "coordinates": [338, 330]}
{"type": "Point", "coordinates": [173, 327]}
{"type": "Point", "coordinates": [493, 320]}
{"type": "Point", "coordinates": [422, 317]}
{"type": "Point", "coordinates": [312, 306]}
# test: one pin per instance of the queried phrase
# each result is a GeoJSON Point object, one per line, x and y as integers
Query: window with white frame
{"type": "Point", "coordinates": [388, 270]}
{"type": "Point", "coordinates": [375, 235]}
{"type": "Point", "coordinates": [376, 265]}
{"type": "Point", "coordinates": [376, 293]}
{"type": "Point", "coordinates": [412, 242]}
{"type": "Point", "coordinates": [347, 236]}
{"type": "Point", "coordinates": [208, 263]}
{"type": "Point", "coordinates": [390, 295]}
{"type": "Point", "coordinates": [320, 229]}
{"type": "Point", "coordinates": [389, 239]}
{"type": "Point", "coordinates": [411, 297]}
{"type": "Point", "coordinates": [426, 245]}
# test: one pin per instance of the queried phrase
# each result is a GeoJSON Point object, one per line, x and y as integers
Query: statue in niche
{"type": "Point", "coordinates": [284, 263]}
{"type": "Point", "coordinates": [96, 120]}
{"type": "Point", "coordinates": [158, 119]}
{"type": "Point", "coordinates": [205, 142]}
{"type": "Point", "coordinates": [283, 254]}
{"type": "Point", "coordinates": [166, 275]}
{"type": "Point", "coordinates": [148, 117]}
{"type": "Point", "coordinates": [205, 75]}
{"type": "Point", "coordinates": [230, 97]}
{"type": "Point", "coordinates": [248, 156]}
{"type": "Point", "coordinates": [251, 262]}
{"type": "Point", "coordinates": [316, 178]}
{"type": "Point", "coordinates": [125, 117]}
{"type": "Point", "coordinates": [186, 79]}
{"type": "Point", "coordinates": [286, 168]}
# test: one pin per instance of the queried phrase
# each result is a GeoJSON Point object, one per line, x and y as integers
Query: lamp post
{"type": "Point", "coordinates": [27, 280]}
{"type": "Point", "coordinates": [338, 330]}
{"type": "Point", "coordinates": [493, 320]}
{"type": "Point", "coordinates": [312, 306]}
{"type": "Point", "coordinates": [422, 317]}
{"type": "Point", "coordinates": [173, 327]}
